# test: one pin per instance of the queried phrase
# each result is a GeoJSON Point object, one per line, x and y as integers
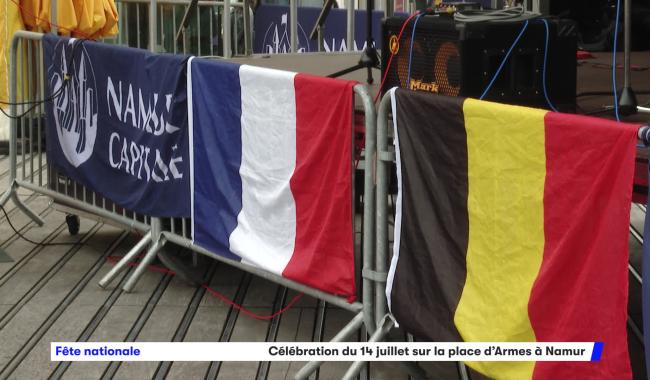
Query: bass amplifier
{"type": "Point", "coordinates": [460, 59]}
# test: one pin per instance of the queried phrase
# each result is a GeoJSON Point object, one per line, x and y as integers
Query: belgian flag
{"type": "Point", "coordinates": [512, 226]}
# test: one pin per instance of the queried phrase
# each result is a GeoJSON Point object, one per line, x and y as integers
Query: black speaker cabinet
{"type": "Point", "coordinates": [460, 59]}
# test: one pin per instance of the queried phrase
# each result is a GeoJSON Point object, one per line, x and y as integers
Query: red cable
{"type": "Point", "coordinates": [390, 59]}
{"type": "Point", "coordinates": [157, 269]}
{"type": "Point", "coordinates": [25, 11]}
{"type": "Point", "coordinates": [248, 312]}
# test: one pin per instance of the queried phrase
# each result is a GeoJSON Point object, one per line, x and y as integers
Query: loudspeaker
{"type": "Point", "coordinates": [460, 59]}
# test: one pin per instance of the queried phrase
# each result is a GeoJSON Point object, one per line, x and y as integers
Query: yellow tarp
{"type": "Point", "coordinates": [79, 18]}
{"type": "Point", "coordinates": [9, 23]}
{"type": "Point", "coordinates": [96, 17]}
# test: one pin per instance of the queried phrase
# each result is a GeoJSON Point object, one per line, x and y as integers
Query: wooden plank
{"type": "Point", "coordinates": [188, 318]}
{"type": "Point", "coordinates": [259, 300]}
{"type": "Point", "coordinates": [70, 323]}
{"type": "Point", "coordinates": [102, 310]}
{"type": "Point", "coordinates": [10, 207]}
{"type": "Point", "coordinates": [19, 220]}
{"type": "Point", "coordinates": [161, 327]}
{"type": "Point", "coordinates": [20, 337]}
{"type": "Point", "coordinates": [637, 357]}
{"type": "Point", "coordinates": [297, 325]}
{"type": "Point", "coordinates": [637, 221]}
{"type": "Point", "coordinates": [113, 328]}
{"type": "Point", "coordinates": [4, 308]}
{"type": "Point", "coordinates": [143, 318]}
{"type": "Point", "coordinates": [209, 321]}
{"type": "Point", "coordinates": [279, 304]}
{"type": "Point", "coordinates": [22, 277]}
{"type": "Point", "coordinates": [336, 318]}
{"type": "Point", "coordinates": [637, 218]}
{"type": "Point", "coordinates": [62, 278]}
{"type": "Point", "coordinates": [116, 324]}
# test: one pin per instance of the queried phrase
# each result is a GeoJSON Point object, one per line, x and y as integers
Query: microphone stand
{"type": "Point", "coordinates": [369, 57]}
{"type": "Point", "coordinates": [627, 103]}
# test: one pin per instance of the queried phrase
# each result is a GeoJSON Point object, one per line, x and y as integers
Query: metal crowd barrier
{"type": "Point", "coordinates": [372, 271]}
{"type": "Point", "coordinates": [26, 145]}
{"type": "Point", "coordinates": [386, 157]}
{"type": "Point", "coordinates": [27, 133]}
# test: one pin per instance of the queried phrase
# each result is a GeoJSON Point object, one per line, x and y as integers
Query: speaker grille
{"type": "Point", "coordinates": [434, 56]}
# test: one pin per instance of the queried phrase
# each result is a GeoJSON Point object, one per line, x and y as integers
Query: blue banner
{"type": "Point", "coordinates": [272, 32]}
{"type": "Point", "coordinates": [117, 123]}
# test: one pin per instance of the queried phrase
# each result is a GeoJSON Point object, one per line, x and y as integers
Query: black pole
{"type": "Point", "coordinates": [322, 17]}
{"type": "Point", "coordinates": [370, 5]}
{"type": "Point", "coordinates": [369, 57]}
{"type": "Point", "coordinates": [186, 19]}
{"type": "Point", "coordinates": [627, 103]}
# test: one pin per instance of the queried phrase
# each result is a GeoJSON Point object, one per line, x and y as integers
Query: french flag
{"type": "Point", "coordinates": [272, 171]}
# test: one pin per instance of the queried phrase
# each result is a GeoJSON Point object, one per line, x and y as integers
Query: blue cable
{"type": "Point", "coordinates": [415, 24]}
{"type": "Point", "coordinates": [618, 14]}
{"type": "Point", "coordinates": [505, 59]}
{"type": "Point", "coordinates": [548, 100]}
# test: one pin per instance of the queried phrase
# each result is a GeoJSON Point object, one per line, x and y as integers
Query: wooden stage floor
{"type": "Point", "coordinates": [51, 294]}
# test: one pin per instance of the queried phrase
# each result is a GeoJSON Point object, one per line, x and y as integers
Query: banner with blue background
{"type": "Point", "coordinates": [117, 123]}
{"type": "Point", "coordinates": [272, 31]}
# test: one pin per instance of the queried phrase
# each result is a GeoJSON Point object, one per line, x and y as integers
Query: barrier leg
{"type": "Point", "coordinates": [23, 207]}
{"type": "Point", "coordinates": [5, 196]}
{"type": "Point", "coordinates": [158, 242]}
{"type": "Point", "coordinates": [462, 371]}
{"type": "Point", "coordinates": [384, 159]}
{"type": "Point", "coordinates": [142, 266]}
{"type": "Point", "coordinates": [345, 332]}
{"type": "Point", "coordinates": [382, 330]}
{"type": "Point", "coordinates": [13, 195]}
{"type": "Point", "coordinates": [369, 287]}
{"type": "Point", "coordinates": [125, 260]}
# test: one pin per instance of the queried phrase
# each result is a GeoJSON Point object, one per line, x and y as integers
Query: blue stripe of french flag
{"type": "Point", "coordinates": [271, 171]}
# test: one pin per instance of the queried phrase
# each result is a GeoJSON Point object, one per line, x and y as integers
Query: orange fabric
{"type": "Point", "coordinates": [110, 26]}
{"type": "Point", "coordinates": [79, 18]}
{"type": "Point", "coordinates": [29, 10]}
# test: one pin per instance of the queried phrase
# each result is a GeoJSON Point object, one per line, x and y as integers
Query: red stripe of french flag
{"type": "Point", "coordinates": [296, 172]}
{"type": "Point", "coordinates": [322, 186]}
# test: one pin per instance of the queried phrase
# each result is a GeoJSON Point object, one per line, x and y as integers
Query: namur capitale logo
{"type": "Point", "coordinates": [75, 105]}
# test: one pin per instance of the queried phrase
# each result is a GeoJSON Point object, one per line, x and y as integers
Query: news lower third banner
{"type": "Point", "coordinates": [117, 123]}
{"type": "Point", "coordinates": [313, 351]}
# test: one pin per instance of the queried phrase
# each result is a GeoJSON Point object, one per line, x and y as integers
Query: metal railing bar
{"type": "Point", "coordinates": [180, 2]}
{"type": "Point", "coordinates": [332, 299]}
